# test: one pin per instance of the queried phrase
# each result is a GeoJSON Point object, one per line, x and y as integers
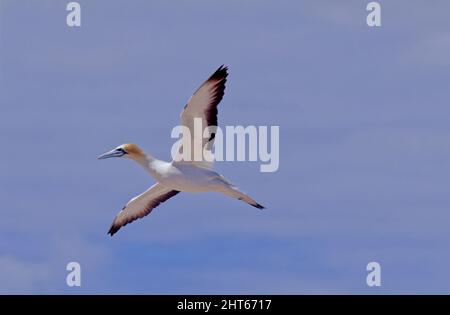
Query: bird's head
{"type": "Point", "coordinates": [128, 150]}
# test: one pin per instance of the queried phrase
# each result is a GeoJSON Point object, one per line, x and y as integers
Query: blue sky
{"type": "Point", "coordinates": [365, 146]}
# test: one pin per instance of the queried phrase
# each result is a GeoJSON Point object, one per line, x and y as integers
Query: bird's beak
{"type": "Point", "coordinates": [111, 154]}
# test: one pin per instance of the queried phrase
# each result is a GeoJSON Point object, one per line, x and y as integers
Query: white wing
{"type": "Point", "coordinates": [140, 206]}
{"type": "Point", "coordinates": [203, 105]}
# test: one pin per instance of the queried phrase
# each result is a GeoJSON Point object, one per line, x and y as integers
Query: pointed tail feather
{"type": "Point", "coordinates": [234, 192]}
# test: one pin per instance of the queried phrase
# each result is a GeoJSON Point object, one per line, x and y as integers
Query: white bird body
{"type": "Point", "coordinates": [183, 176]}
{"type": "Point", "coordinates": [179, 175]}
{"type": "Point", "coordinates": [192, 179]}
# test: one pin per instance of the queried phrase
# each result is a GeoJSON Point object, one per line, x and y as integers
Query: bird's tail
{"type": "Point", "coordinates": [234, 192]}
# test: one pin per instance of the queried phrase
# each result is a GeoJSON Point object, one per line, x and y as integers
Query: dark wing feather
{"type": "Point", "coordinates": [141, 206]}
{"type": "Point", "coordinates": [203, 104]}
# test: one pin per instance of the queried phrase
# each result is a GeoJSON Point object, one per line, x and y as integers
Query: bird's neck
{"type": "Point", "coordinates": [148, 163]}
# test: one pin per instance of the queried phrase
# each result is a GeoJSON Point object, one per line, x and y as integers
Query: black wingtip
{"type": "Point", "coordinates": [113, 230]}
{"type": "Point", "coordinates": [260, 207]}
{"type": "Point", "coordinates": [220, 73]}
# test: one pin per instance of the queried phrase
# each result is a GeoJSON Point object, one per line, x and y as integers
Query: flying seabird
{"type": "Point", "coordinates": [180, 175]}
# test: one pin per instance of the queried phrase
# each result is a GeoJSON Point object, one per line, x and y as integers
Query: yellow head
{"type": "Point", "coordinates": [127, 150]}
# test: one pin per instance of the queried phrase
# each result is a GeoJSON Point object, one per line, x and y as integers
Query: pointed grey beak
{"type": "Point", "coordinates": [111, 154]}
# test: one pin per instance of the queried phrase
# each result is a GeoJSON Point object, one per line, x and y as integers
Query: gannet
{"type": "Point", "coordinates": [180, 175]}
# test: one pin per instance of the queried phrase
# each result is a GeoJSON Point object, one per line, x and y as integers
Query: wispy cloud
{"type": "Point", "coordinates": [363, 121]}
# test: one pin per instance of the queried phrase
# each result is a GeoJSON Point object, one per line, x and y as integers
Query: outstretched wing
{"type": "Point", "coordinates": [203, 106]}
{"type": "Point", "coordinates": [140, 206]}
